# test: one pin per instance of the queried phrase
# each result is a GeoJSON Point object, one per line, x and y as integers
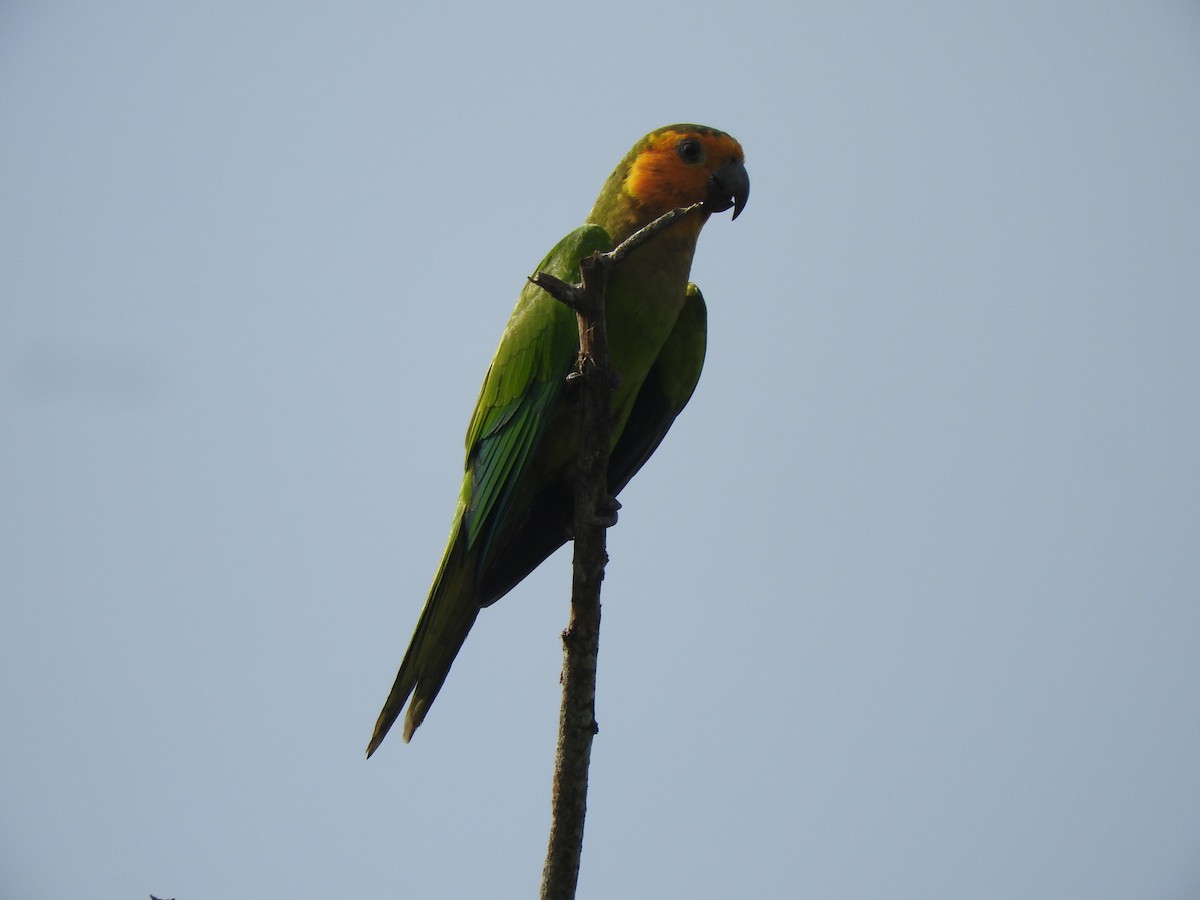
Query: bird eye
{"type": "Point", "coordinates": [690, 150]}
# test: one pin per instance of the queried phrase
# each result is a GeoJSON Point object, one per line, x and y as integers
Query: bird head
{"type": "Point", "coordinates": [672, 167]}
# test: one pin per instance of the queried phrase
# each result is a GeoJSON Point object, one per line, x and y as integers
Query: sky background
{"type": "Point", "coordinates": [907, 605]}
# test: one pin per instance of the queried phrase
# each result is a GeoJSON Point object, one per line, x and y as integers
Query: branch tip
{"type": "Point", "coordinates": [570, 295]}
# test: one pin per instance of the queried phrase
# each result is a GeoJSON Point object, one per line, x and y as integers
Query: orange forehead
{"type": "Point", "coordinates": [661, 180]}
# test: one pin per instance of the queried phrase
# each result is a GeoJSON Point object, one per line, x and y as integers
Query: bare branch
{"type": "Point", "coordinates": [595, 511]}
{"type": "Point", "coordinates": [581, 639]}
{"type": "Point", "coordinates": [618, 254]}
{"type": "Point", "coordinates": [570, 295]}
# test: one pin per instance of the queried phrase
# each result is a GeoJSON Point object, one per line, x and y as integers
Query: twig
{"type": "Point", "coordinates": [594, 513]}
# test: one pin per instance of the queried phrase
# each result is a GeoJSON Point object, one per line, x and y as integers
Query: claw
{"type": "Point", "coordinates": [606, 514]}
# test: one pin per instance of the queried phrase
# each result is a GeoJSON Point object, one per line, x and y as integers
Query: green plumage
{"type": "Point", "coordinates": [515, 506]}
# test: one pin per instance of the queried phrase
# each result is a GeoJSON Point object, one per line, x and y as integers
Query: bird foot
{"type": "Point", "coordinates": [606, 513]}
{"type": "Point", "coordinates": [574, 377]}
{"type": "Point", "coordinates": [606, 516]}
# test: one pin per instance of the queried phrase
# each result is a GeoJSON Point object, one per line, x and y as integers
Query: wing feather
{"type": "Point", "coordinates": [521, 391]}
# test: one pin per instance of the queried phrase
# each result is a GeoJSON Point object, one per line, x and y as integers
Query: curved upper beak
{"type": "Point", "coordinates": [728, 186]}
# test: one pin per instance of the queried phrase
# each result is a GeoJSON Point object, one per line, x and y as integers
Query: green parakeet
{"type": "Point", "coordinates": [515, 506]}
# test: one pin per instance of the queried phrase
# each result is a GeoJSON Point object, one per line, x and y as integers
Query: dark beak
{"type": "Point", "coordinates": [728, 186]}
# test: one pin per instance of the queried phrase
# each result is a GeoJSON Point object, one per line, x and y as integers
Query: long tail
{"type": "Point", "coordinates": [445, 621]}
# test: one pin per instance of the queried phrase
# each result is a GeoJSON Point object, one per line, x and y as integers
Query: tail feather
{"type": "Point", "coordinates": [445, 622]}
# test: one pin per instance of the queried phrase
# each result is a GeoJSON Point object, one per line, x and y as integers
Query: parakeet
{"type": "Point", "coordinates": [515, 505]}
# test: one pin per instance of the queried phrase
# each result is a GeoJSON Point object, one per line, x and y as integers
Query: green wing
{"type": "Point", "coordinates": [665, 392]}
{"type": "Point", "coordinates": [519, 396]}
{"type": "Point", "coordinates": [521, 392]}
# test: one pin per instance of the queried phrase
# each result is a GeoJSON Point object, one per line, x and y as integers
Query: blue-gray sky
{"type": "Point", "coordinates": [908, 604]}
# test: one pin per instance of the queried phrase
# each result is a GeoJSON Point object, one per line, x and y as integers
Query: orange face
{"type": "Point", "coordinates": [674, 168]}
